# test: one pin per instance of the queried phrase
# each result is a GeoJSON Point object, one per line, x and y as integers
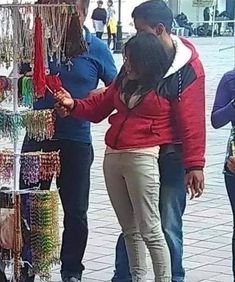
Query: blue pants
{"type": "Point", "coordinates": [230, 186]}
{"type": "Point", "coordinates": [74, 183]}
{"type": "Point", "coordinates": [172, 206]}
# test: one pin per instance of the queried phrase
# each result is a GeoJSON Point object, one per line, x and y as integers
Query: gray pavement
{"type": "Point", "coordinates": [207, 221]}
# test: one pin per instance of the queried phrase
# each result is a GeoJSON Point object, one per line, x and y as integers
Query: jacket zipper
{"type": "Point", "coordinates": [119, 131]}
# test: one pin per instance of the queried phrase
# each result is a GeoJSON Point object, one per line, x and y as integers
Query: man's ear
{"type": "Point", "coordinates": [160, 29]}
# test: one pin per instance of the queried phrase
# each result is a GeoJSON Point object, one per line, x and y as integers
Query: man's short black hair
{"type": "Point", "coordinates": [154, 12]}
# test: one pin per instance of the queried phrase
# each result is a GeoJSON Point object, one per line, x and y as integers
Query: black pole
{"type": "Point", "coordinates": [118, 47]}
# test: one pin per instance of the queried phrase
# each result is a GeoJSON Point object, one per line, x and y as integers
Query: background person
{"type": "Point", "coordinates": [182, 21]}
{"type": "Point", "coordinates": [223, 113]}
{"type": "Point", "coordinates": [111, 24]}
{"type": "Point", "coordinates": [206, 18]}
{"type": "Point", "coordinates": [98, 17]}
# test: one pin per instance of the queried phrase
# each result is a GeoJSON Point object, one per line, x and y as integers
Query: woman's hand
{"type": "Point", "coordinates": [64, 99]}
{"type": "Point", "coordinates": [61, 110]}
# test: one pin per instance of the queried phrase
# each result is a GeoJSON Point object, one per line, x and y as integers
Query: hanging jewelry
{"type": "Point", "coordinates": [30, 168]}
{"type": "Point", "coordinates": [10, 125]}
{"type": "Point", "coordinates": [44, 222]}
{"type": "Point", "coordinates": [18, 238]}
{"type": "Point", "coordinates": [6, 166]}
{"type": "Point", "coordinates": [40, 125]}
{"type": "Point", "coordinates": [39, 74]}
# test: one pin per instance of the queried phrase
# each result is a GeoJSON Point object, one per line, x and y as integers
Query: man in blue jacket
{"type": "Point", "coordinates": [72, 137]}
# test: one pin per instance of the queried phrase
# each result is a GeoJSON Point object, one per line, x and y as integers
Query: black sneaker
{"type": "Point", "coordinates": [3, 277]}
{"type": "Point", "coordinates": [74, 279]}
{"type": "Point", "coordinates": [26, 276]}
{"type": "Point", "coordinates": [71, 277]}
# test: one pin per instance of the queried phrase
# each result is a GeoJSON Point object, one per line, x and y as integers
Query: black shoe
{"type": "Point", "coordinates": [71, 277]}
{"type": "Point", "coordinates": [3, 277]}
{"type": "Point", "coordinates": [27, 279]}
{"type": "Point", "coordinates": [25, 276]}
{"type": "Point", "coordinates": [74, 279]}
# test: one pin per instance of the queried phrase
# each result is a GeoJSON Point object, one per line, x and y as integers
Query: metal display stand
{"type": "Point", "coordinates": [16, 192]}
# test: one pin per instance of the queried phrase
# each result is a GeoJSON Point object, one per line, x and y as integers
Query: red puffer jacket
{"type": "Point", "coordinates": [156, 120]}
{"type": "Point", "coordinates": [147, 124]}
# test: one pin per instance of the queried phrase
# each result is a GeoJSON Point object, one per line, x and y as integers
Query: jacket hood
{"type": "Point", "coordinates": [185, 53]}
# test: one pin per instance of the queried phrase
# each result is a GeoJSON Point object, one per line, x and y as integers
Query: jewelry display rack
{"type": "Point", "coordinates": [16, 191]}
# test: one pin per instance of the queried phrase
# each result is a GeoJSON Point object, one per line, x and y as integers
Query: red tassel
{"type": "Point", "coordinates": [53, 83]}
{"type": "Point", "coordinates": [39, 73]}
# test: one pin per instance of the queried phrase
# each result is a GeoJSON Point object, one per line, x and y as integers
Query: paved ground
{"type": "Point", "coordinates": [207, 221]}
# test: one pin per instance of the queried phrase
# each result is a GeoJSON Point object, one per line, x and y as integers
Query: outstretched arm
{"type": "Point", "coordinates": [96, 107]}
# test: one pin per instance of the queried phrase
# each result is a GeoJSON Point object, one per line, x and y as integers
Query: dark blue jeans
{"type": "Point", "coordinates": [74, 185]}
{"type": "Point", "coordinates": [230, 186]}
{"type": "Point", "coordinates": [172, 206]}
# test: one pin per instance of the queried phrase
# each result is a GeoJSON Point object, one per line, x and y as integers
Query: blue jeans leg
{"type": "Point", "coordinates": [74, 182]}
{"type": "Point", "coordinates": [172, 206]}
{"type": "Point", "coordinates": [230, 186]}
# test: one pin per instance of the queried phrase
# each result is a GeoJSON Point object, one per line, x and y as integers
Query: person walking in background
{"type": "Point", "coordinates": [206, 14]}
{"type": "Point", "coordinates": [99, 17]}
{"type": "Point", "coordinates": [187, 74]}
{"type": "Point", "coordinates": [206, 18]}
{"type": "Point", "coordinates": [223, 113]}
{"type": "Point", "coordinates": [111, 24]}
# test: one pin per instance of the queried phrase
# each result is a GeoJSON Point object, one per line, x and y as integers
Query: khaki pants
{"type": "Point", "coordinates": [133, 187]}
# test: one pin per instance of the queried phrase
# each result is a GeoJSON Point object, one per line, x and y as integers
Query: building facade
{"type": "Point", "coordinates": [194, 13]}
{"type": "Point", "coordinates": [194, 8]}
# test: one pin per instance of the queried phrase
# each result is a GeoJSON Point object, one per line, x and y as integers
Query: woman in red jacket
{"type": "Point", "coordinates": [141, 123]}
